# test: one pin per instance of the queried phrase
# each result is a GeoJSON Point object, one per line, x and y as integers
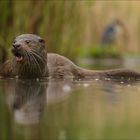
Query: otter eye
{"type": "Point", "coordinates": [42, 41]}
{"type": "Point", "coordinates": [27, 41]}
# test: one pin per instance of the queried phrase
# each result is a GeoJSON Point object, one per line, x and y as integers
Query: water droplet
{"type": "Point", "coordinates": [66, 88]}
{"type": "Point", "coordinates": [86, 85]}
{"type": "Point", "coordinates": [17, 76]}
{"type": "Point", "coordinates": [37, 79]}
{"type": "Point", "coordinates": [107, 79]}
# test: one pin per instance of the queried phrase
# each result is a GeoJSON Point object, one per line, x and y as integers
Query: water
{"type": "Point", "coordinates": [66, 109]}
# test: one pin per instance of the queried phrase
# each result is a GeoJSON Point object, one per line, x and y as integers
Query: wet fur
{"type": "Point", "coordinates": [37, 64]}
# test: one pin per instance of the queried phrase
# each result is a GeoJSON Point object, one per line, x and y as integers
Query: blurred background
{"type": "Point", "coordinates": [88, 32]}
{"type": "Point", "coordinates": [96, 34]}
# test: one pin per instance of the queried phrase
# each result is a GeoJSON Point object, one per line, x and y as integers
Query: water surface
{"type": "Point", "coordinates": [66, 109]}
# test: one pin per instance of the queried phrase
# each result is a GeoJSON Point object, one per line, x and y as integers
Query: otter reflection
{"type": "Point", "coordinates": [27, 98]}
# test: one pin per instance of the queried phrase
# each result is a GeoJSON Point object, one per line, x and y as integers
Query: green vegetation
{"type": "Point", "coordinates": [70, 26]}
{"type": "Point", "coordinates": [59, 22]}
{"type": "Point", "coordinates": [105, 53]}
{"type": "Point", "coordinates": [101, 52]}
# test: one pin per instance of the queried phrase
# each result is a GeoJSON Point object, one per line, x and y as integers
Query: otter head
{"type": "Point", "coordinates": [30, 58]}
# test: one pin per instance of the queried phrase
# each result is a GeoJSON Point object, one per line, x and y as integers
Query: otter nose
{"type": "Point", "coordinates": [16, 46]}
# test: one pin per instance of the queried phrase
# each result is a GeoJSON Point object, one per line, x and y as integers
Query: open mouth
{"type": "Point", "coordinates": [17, 55]}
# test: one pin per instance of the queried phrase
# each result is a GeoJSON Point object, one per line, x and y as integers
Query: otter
{"type": "Point", "coordinates": [30, 60]}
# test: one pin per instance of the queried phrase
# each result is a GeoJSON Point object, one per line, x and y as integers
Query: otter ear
{"type": "Point", "coordinates": [42, 42]}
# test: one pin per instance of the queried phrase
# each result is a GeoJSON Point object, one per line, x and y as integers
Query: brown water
{"type": "Point", "coordinates": [66, 109]}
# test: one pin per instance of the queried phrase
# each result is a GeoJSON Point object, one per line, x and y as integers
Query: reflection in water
{"type": "Point", "coordinates": [110, 95]}
{"type": "Point", "coordinates": [58, 90]}
{"type": "Point", "coordinates": [61, 109]}
{"type": "Point", "coordinates": [27, 98]}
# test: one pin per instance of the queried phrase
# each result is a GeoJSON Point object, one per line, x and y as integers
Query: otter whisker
{"type": "Point", "coordinates": [36, 62]}
{"type": "Point", "coordinates": [36, 52]}
{"type": "Point", "coordinates": [30, 61]}
{"type": "Point", "coordinates": [39, 57]}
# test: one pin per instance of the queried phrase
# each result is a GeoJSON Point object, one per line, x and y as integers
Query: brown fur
{"type": "Point", "coordinates": [52, 65]}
